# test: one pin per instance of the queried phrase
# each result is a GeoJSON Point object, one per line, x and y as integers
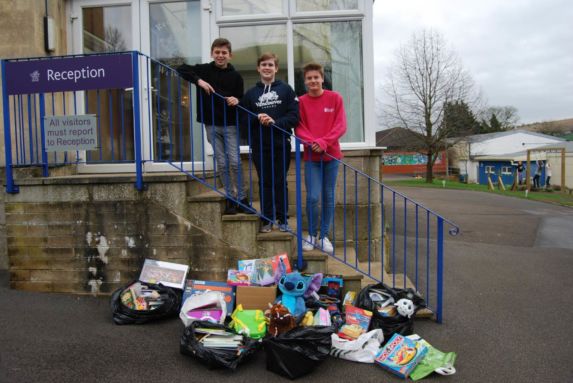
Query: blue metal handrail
{"type": "Point", "coordinates": [407, 243]}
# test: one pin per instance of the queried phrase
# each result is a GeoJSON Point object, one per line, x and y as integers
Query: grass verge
{"type": "Point", "coordinates": [554, 197]}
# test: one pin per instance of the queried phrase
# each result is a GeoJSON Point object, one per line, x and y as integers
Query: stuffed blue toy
{"type": "Point", "coordinates": [294, 288]}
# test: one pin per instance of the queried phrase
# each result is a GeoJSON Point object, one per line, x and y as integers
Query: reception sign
{"type": "Point", "coordinates": [69, 74]}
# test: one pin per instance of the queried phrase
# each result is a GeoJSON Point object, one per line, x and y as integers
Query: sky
{"type": "Point", "coordinates": [519, 52]}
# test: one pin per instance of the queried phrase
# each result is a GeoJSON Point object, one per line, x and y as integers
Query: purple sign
{"type": "Point", "coordinates": [69, 74]}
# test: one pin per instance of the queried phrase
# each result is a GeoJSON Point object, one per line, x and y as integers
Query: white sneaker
{"type": "Point", "coordinates": [326, 245]}
{"type": "Point", "coordinates": [308, 243]}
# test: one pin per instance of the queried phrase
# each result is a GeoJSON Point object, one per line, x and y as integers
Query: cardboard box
{"type": "Point", "coordinates": [256, 297]}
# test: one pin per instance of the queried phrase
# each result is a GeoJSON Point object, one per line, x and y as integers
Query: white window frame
{"type": "Point", "coordinates": [291, 17]}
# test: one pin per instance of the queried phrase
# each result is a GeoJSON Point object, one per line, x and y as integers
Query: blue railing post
{"type": "Point", "coordinates": [440, 276]}
{"type": "Point", "coordinates": [298, 203]}
{"type": "Point", "coordinates": [10, 186]}
{"type": "Point", "coordinates": [137, 122]}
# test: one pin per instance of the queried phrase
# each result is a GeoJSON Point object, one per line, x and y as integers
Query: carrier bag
{"type": "Point", "coordinates": [131, 307]}
{"type": "Point", "coordinates": [393, 323]}
{"type": "Point", "coordinates": [215, 356]}
{"type": "Point", "coordinates": [363, 349]}
{"type": "Point", "coordinates": [435, 361]}
{"type": "Point", "coordinates": [299, 351]}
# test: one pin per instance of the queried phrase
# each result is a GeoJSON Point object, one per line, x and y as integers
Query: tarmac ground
{"type": "Point", "coordinates": [507, 312]}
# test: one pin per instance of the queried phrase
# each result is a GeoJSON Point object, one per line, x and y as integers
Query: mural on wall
{"type": "Point", "coordinates": [392, 159]}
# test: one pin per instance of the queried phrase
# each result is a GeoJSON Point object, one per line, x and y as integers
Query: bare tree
{"type": "Point", "coordinates": [114, 40]}
{"type": "Point", "coordinates": [425, 76]}
{"type": "Point", "coordinates": [506, 115]}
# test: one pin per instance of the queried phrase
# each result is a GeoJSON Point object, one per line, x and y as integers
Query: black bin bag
{"type": "Point", "coordinates": [298, 351]}
{"type": "Point", "coordinates": [213, 357]}
{"type": "Point", "coordinates": [397, 324]}
{"type": "Point", "coordinates": [124, 315]}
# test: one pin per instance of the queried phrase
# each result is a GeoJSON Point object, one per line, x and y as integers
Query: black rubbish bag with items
{"type": "Point", "coordinates": [297, 352]}
{"type": "Point", "coordinates": [231, 352]}
{"type": "Point", "coordinates": [139, 302]}
{"type": "Point", "coordinates": [379, 297]}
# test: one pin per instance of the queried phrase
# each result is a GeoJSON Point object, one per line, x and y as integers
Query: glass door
{"type": "Point", "coordinates": [98, 27]}
{"type": "Point", "coordinates": [169, 33]}
{"type": "Point", "coordinates": [173, 33]}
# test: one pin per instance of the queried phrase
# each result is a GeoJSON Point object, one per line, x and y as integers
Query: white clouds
{"type": "Point", "coordinates": [520, 52]}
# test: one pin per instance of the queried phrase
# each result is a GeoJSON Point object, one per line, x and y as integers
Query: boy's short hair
{"type": "Point", "coordinates": [313, 66]}
{"type": "Point", "coordinates": [268, 56]}
{"type": "Point", "coordinates": [221, 42]}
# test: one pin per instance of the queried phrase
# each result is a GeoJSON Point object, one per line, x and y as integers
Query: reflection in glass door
{"type": "Point", "coordinates": [108, 29]}
{"type": "Point", "coordinates": [175, 38]}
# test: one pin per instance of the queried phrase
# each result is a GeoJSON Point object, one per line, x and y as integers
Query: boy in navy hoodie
{"type": "Point", "coordinates": [220, 123]}
{"type": "Point", "coordinates": [276, 106]}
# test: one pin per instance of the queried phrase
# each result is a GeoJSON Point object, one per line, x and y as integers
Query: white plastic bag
{"type": "Point", "coordinates": [209, 302]}
{"type": "Point", "coordinates": [363, 349]}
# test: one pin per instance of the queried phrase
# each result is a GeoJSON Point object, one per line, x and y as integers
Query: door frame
{"type": "Point", "coordinates": [140, 42]}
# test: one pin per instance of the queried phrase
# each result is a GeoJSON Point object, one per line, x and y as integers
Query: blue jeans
{"type": "Point", "coordinates": [320, 182]}
{"type": "Point", "coordinates": [224, 140]}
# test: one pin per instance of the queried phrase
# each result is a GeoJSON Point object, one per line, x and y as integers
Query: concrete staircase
{"type": "Point", "coordinates": [241, 231]}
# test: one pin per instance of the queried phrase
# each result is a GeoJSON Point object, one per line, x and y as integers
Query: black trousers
{"type": "Point", "coordinates": [272, 167]}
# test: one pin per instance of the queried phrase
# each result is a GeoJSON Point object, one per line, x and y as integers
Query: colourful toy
{"type": "Point", "coordinates": [294, 288]}
{"type": "Point", "coordinates": [280, 320]}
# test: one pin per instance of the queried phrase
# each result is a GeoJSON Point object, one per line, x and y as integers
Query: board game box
{"type": "Point", "coordinates": [400, 355]}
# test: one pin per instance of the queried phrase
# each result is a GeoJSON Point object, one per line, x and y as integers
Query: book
{"type": "Point", "coordinates": [238, 278]}
{"type": "Point", "coordinates": [357, 322]}
{"type": "Point", "coordinates": [401, 355]}
{"type": "Point", "coordinates": [194, 286]}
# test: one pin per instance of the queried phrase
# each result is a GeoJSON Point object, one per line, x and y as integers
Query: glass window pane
{"type": "Point", "coordinates": [175, 38]}
{"type": "Point", "coordinates": [337, 46]}
{"type": "Point", "coordinates": [251, 7]}
{"type": "Point", "coordinates": [250, 42]}
{"type": "Point", "coordinates": [325, 5]}
{"type": "Point", "coordinates": [175, 32]}
{"type": "Point", "coordinates": [107, 29]}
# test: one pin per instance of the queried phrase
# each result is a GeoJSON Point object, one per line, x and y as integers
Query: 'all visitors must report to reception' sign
{"type": "Point", "coordinates": [69, 133]}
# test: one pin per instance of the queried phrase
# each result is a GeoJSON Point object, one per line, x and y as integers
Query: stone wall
{"type": "Point", "coordinates": [93, 237]}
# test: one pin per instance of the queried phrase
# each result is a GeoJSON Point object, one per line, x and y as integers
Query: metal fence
{"type": "Point", "coordinates": [161, 119]}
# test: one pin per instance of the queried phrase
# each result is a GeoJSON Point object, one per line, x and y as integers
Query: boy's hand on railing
{"type": "Point", "coordinates": [205, 86]}
{"type": "Point", "coordinates": [232, 101]}
{"type": "Point", "coordinates": [265, 119]}
{"type": "Point", "coordinates": [316, 148]}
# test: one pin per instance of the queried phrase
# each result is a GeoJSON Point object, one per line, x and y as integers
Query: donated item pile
{"type": "Point", "coordinates": [298, 320]}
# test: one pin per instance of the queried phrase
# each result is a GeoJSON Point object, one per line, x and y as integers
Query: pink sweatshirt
{"type": "Point", "coordinates": [322, 120]}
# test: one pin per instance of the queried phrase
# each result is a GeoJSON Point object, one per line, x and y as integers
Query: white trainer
{"type": "Point", "coordinates": [326, 245]}
{"type": "Point", "coordinates": [308, 243]}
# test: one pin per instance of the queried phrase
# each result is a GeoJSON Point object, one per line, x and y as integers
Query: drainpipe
{"type": "Point", "coordinates": [49, 31]}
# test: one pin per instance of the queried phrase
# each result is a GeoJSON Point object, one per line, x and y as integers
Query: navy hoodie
{"type": "Point", "coordinates": [279, 101]}
{"type": "Point", "coordinates": [227, 82]}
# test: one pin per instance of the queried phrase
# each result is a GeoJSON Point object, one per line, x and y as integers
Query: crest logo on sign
{"type": "Point", "coordinates": [35, 76]}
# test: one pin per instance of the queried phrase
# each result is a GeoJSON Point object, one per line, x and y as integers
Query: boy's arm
{"type": "Point", "coordinates": [189, 73]}
{"type": "Point", "coordinates": [302, 131]}
{"type": "Point", "coordinates": [290, 118]}
{"type": "Point", "coordinates": [338, 127]}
